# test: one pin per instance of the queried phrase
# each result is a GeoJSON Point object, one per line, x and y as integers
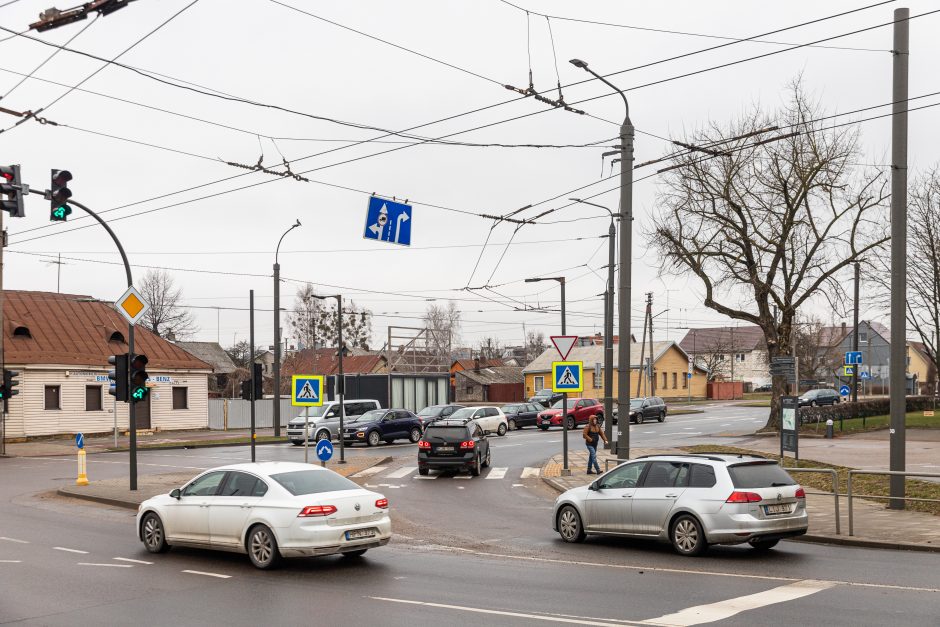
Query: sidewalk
{"type": "Point", "coordinates": [875, 525]}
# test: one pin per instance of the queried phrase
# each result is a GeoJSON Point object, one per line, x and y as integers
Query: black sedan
{"type": "Point", "coordinates": [521, 414]}
{"type": "Point", "coordinates": [433, 413]}
{"type": "Point", "coordinates": [545, 397]}
{"type": "Point", "coordinates": [385, 425]}
{"type": "Point", "coordinates": [453, 444]}
{"type": "Point", "coordinates": [815, 398]}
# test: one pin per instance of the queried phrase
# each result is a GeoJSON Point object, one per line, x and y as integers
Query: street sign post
{"type": "Point", "coordinates": [306, 390]}
{"type": "Point", "coordinates": [790, 426]}
{"type": "Point", "coordinates": [388, 221]}
{"type": "Point", "coordinates": [132, 305]}
{"type": "Point", "coordinates": [82, 471]}
{"type": "Point", "coordinates": [564, 344]}
{"type": "Point", "coordinates": [324, 451]}
{"type": "Point", "coordinates": [567, 376]}
{"type": "Point", "coordinates": [853, 358]}
{"type": "Point", "coordinates": [845, 390]}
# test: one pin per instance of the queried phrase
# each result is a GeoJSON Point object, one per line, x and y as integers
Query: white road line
{"type": "Point", "coordinates": [199, 572]}
{"type": "Point", "coordinates": [725, 424]}
{"type": "Point", "coordinates": [14, 540]}
{"type": "Point", "coordinates": [461, 476]}
{"type": "Point", "coordinates": [518, 485]}
{"type": "Point", "coordinates": [723, 610]}
{"type": "Point", "coordinates": [530, 473]}
{"type": "Point", "coordinates": [368, 471]}
{"type": "Point", "coordinates": [62, 548]}
{"type": "Point", "coordinates": [127, 559]}
{"type": "Point", "coordinates": [401, 472]}
{"type": "Point", "coordinates": [480, 610]}
{"type": "Point", "coordinates": [642, 431]}
{"type": "Point", "coordinates": [11, 561]}
{"type": "Point", "coordinates": [106, 565]}
{"type": "Point", "coordinates": [425, 476]}
{"type": "Point", "coordinates": [497, 473]}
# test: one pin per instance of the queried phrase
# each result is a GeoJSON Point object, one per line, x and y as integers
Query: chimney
{"type": "Point", "coordinates": [170, 336]}
{"type": "Point", "coordinates": [476, 364]}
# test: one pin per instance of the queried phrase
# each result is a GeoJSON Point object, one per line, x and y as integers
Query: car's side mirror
{"type": "Point", "coordinates": [176, 493]}
{"type": "Point", "coordinates": [594, 487]}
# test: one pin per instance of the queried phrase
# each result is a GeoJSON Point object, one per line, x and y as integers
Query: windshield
{"type": "Point", "coordinates": [571, 403]}
{"type": "Point", "coordinates": [369, 416]}
{"type": "Point", "coordinates": [544, 392]}
{"type": "Point", "coordinates": [512, 409]}
{"type": "Point", "coordinates": [464, 413]}
{"type": "Point", "coordinates": [636, 402]}
{"type": "Point", "coordinates": [431, 411]}
{"type": "Point", "coordinates": [313, 481]}
{"type": "Point", "coordinates": [315, 412]}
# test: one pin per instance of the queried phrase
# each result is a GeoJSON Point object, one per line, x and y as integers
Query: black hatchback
{"type": "Point", "coordinates": [450, 444]}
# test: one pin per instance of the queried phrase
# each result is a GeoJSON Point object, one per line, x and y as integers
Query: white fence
{"type": "Point", "coordinates": [235, 413]}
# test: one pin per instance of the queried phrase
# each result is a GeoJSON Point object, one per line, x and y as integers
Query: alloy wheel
{"type": "Point", "coordinates": [687, 536]}
{"type": "Point", "coordinates": [374, 438]}
{"type": "Point", "coordinates": [569, 525]}
{"type": "Point", "coordinates": [154, 539]}
{"type": "Point", "coordinates": [262, 547]}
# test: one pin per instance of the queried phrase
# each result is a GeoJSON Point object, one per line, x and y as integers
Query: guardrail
{"type": "Point", "coordinates": [835, 492]}
{"type": "Point", "coordinates": [889, 473]}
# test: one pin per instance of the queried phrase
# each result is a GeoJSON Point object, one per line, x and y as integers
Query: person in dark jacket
{"type": "Point", "coordinates": [593, 435]}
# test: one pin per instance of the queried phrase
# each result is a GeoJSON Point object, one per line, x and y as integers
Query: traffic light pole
{"type": "Point", "coordinates": [251, 364]}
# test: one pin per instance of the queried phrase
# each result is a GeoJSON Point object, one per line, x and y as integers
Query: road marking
{"type": "Point", "coordinates": [724, 610]}
{"type": "Point", "coordinates": [530, 473]}
{"type": "Point", "coordinates": [725, 424]}
{"type": "Point", "coordinates": [107, 565]}
{"type": "Point", "coordinates": [425, 476]}
{"type": "Point", "coordinates": [518, 485]}
{"type": "Point", "coordinates": [127, 559]}
{"type": "Point", "coordinates": [497, 473]}
{"type": "Point", "coordinates": [62, 548]}
{"type": "Point", "coordinates": [11, 561]}
{"type": "Point", "coordinates": [14, 540]}
{"type": "Point", "coordinates": [367, 472]}
{"type": "Point", "coordinates": [401, 472]}
{"type": "Point", "coordinates": [480, 610]}
{"type": "Point", "coordinates": [199, 572]}
{"type": "Point", "coordinates": [463, 476]}
{"type": "Point", "coordinates": [646, 432]}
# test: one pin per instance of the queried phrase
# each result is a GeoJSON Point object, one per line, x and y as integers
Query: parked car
{"type": "Point", "coordinates": [643, 409]}
{"type": "Point", "coordinates": [453, 444]}
{"type": "Point", "coordinates": [385, 425]}
{"type": "Point", "coordinates": [822, 396]}
{"type": "Point", "coordinates": [521, 415]}
{"type": "Point", "coordinates": [689, 500]}
{"type": "Point", "coordinates": [268, 510]}
{"type": "Point", "coordinates": [490, 418]}
{"type": "Point", "coordinates": [767, 387]}
{"type": "Point", "coordinates": [545, 397]}
{"type": "Point", "coordinates": [579, 411]}
{"type": "Point", "coordinates": [324, 420]}
{"type": "Point", "coordinates": [433, 413]}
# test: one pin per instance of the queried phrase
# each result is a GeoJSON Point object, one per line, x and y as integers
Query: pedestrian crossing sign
{"type": "Point", "coordinates": [306, 390]}
{"type": "Point", "coordinates": [567, 376]}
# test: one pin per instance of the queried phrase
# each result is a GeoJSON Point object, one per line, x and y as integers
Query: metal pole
{"type": "Point", "coordinates": [251, 364]}
{"type": "Point", "coordinates": [609, 341]}
{"type": "Point", "coordinates": [565, 471]}
{"type": "Point", "coordinates": [734, 357]}
{"type": "Point", "coordinates": [115, 421]}
{"type": "Point", "coordinates": [307, 432]}
{"type": "Point", "coordinates": [626, 269]}
{"type": "Point", "coordinates": [277, 349]}
{"type": "Point", "coordinates": [341, 381]}
{"type": "Point", "coordinates": [854, 349]}
{"type": "Point", "coordinates": [652, 357]}
{"type": "Point", "coordinates": [898, 365]}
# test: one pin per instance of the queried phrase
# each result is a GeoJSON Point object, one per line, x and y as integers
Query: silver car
{"type": "Point", "coordinates": [689, 500]}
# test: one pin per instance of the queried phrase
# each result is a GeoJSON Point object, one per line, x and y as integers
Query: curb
{"type": "Point", "coordinates": [173, 447]}
{"type": "Point", "coordinates": [866, 544]}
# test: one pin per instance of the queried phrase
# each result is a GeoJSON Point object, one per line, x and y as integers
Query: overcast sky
{"type": "Point", "coordinates": [219, 245]}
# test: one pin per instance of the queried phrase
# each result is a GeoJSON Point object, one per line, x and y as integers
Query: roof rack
{"type": "Point", "coordinates": [712, 455]}
{"type": "Point", "coordinates": [739, 455]}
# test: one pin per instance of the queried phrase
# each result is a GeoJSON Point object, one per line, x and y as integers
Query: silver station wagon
{"type": "Point", "coordinates": [690, 501]}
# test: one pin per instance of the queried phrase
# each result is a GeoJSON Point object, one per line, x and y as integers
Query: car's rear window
{"type": "Point", "coordinates": [446, 433]}
{"type": "Point", "coordinates": [762, 475]}
{"type": "Point", "coordinates": [313, 481]}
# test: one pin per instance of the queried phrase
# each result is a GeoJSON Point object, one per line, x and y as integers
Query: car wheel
{"type": "Point", "coordinates": [424, 471]}
{"type": "Point", "coordinates": [356, 553]}
{"type": "Point", "coordinates": [763, 545]}
{"type": "Point", "coordinates": [486, 462]}
{"type": "Point", "coordinates": [262, 547]}
{"type": "Point", "coordinates": [662, 417]}
{"type": "Point", "coordinates": [512, 425]}
{"type": "Point", "coordinates": [475, 469]}
{"type": "Point", "coordinates": [544, 428]}
{"type": "Point", "coordinates": [501, 429]}
{"type": "Point", "coordinates": [570, 424]}
{"type": "Point", "coordinates": [151, 530]}
{"type": "Point", "coordinates": [639, 419]}
{"type": "Point", "coordinates": [687, 536]}
{"type": "Point", "coordinates": [415, 435]}
{"type": "Point", "coordinates": [374, 438]}
{"type": "Point", "coordinates": [323, 435]}
{"type": "Point", "coordinates": [569, 525]}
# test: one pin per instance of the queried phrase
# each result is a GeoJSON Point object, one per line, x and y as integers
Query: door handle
{"type": "Point", "coordinates": [626, 496]}
{"type": "Point", "coordinates": [671, 496]}
{"type": "Point", "coordinates": [203, 505]}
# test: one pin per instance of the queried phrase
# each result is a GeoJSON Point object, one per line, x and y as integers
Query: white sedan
{"type": "Point", "coordinates": [268, 510]}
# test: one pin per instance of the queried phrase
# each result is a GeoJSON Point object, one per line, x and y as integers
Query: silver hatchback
{"type": "Point", "coordinates": [690, 501]}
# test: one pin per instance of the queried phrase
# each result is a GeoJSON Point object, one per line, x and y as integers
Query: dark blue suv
{"type": "Point", "coordinates": [385, 425]}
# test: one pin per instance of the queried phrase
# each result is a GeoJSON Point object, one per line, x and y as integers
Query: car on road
{"type": "Point", "coordinates": [453, 444]}
{"type": "Point", "coordinates": [545, 397]}
{"type": "Point", "coordinates": [324, 420]}
{"type": "Point", "coordinates": [691, 501]}
{"type": "Point", "coordinates": [650, 408]}
{"type": "Point", "coordinates": [767, 387]}
{"type": "Point", "coordinates": [268, 510]}
{"type": "Point", "coordinates": [579, 411]}
{"type": "Point", "coordinates": [383, 425]}
{"type": "Point", "coordinates": [433, 413]}
{"type": "Point", "coordinates": [520, 415]}
{"type": "Point", "coordinates": [490, 418]}
{"type": "Point", "coordinates": [822, 396]}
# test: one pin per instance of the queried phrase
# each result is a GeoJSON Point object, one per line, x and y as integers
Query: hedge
{"type": "Point", "coordinates": [866, 409]}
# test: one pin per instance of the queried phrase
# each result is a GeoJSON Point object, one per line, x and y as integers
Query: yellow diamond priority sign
{"type": "Point", "coordinates": [132, 305]}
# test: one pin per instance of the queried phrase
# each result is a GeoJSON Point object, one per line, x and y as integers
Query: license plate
{"type": "Point", "coordinates": [777, 509]}
{"type": "Point", "coordinates": [358, 534]}
{"type": "Point", "coordinates": [445, 449]}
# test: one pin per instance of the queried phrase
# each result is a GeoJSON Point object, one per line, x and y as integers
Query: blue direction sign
{"type": "Point", "coordinates": [388, 221]}
{"type": "Point", "coordinates": [306, 390]}
{"type": "Point", "coordinates": [80, 440]}
{"type": "Point", "coordinates": [324, 450]}
{"type": "Point", "coordinates": [567, 376]}
{"type": "Point", "coordinates": [844, 390]}
{"type": "Point", "coordinates": [853, 358]}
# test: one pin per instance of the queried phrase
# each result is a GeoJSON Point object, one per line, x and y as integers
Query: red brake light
{"type": "Point", "coordinates": [382, 503]}
{"type": "Point", "coordinates": [743, 497]}
{"type": "Point", "coordinates": [424, 444]}
{"type": "Point", "coordinates": [466, 444]}
{"type": "Point", "coordinates": [316, 510]}
{"type": "Point", "coordinates": [800, 493]}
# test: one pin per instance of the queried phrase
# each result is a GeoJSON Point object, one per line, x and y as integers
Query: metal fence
{"type": "Point", "coordinates": [235, 413]}
{"type": "Point", "coordinates": [888, 473]}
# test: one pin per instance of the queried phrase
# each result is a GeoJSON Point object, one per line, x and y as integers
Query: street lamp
{"type": "Point", "coordinates": [626, 251]}
{"type": "Point", "coordinates": [340, 388]}
{"type": "Point", "coordinates": [564, 397]}
{"type": "Point", "coordinates": [277, 333]}
{"type": "Point", "coordinates": [608, 325]}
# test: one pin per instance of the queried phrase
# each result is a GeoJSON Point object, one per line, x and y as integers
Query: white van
{"type": "Point", "coordinates": [324, 420]}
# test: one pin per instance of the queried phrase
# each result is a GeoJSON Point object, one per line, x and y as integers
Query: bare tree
{"type": "Point", "coordinates": [535, 344]}
{"type": "Point", "coordinates": [443, 324]}
{"type": "Point", "coordinates": [814, 345]}
{"type": "Point", "coordinates": [313, 322]}
{"type": "Point", "coordinates": [490, 348]}
{"type": "Point", "coordinates": [716, 357]}
{"type": "Point", "coordinates": [165, 317]}
{"type": "Point", "coordinates": [770, 222]}
{"type": "Point", "coordinates": [242, 355]}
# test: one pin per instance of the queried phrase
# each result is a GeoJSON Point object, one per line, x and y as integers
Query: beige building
{"type": "Point", "coordinates": [60, 344]}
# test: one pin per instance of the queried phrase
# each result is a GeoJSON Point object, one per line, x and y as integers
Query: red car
{"type": "Point", "coordinates": [579, 410]}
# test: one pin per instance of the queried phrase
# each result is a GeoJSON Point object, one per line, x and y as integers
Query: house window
{"type": "Point", "coordinates": [539, 383]}
{"type": "Point", "coordinates": [740, 357]}
{"type": "Point", "coordinates": [595, 383]}
{"type": "Point", "coordinates": [180, 398]}
{"type": "Point", "coordinates": [665, 384]}
{"type": "Point", "coordinates": [675, 381]}
{"type": "Point", "coordinates": [469, 389]}
{"type": "Point", "coordinates": [53, 394]}
{"type": "Point", "coordinates": [92, 398]}
{"type": "Point", "coordinates": [720, 357]}
{"type": "Point", "coordinates": [685, 381]}
{"type": "Point", "coordinates": [863, 336]}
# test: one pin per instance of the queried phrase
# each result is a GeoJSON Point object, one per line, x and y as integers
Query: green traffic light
{"type": "Point", "coordinates": [61, 213]}
{"type": "Point", "coordinates": [139, 394]}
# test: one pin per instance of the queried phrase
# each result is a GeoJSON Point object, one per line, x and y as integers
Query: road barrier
{"type": "Point", "coordinates": [835, 490]}
{"type": "Point", "coordinates": [888, 473]}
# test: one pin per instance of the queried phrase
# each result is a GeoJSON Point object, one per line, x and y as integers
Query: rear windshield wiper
{"type": "Point", "coordinates": [777, 484]}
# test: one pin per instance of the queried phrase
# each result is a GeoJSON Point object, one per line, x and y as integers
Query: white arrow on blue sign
{"type": "Point", "coordinates": [324, 450]}
{"type": "Point", "coordinates": [388, 221]}
{"type": "Point", "coordinates": [844, 390]}
{"type": "Point", "coordinates": [853, 358]}
{"type": "Point", "coordinates": [80, 440]}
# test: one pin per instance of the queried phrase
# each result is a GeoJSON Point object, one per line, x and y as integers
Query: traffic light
{"type": "Point", "coordinates": [137, 388]}
{"type": "Point", "coordinates": [118, 385]}
{"type": "Point", "coordinates": [59, 196]}
{"type": "Point", "coordinates": [10, 383]}
{"type": "Point", "coordinates": [246, 389]}
{"type": "Point", "coordinates": [259, 382]}
{"type": "Point", "coordinates": [11, 191]}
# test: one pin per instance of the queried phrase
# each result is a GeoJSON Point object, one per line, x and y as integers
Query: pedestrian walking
{"type": "Point", "coordinates": [593, 434]}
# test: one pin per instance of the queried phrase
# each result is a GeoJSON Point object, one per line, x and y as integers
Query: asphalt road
{"type": "Point", "coordinates": [466, 551]}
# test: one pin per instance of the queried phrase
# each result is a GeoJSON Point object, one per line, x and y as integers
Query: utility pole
{"type": "Point", "coordinates": [734, 357]}
{"type": "Point", "coordinates": [854, 349]}
{"type": "Point", "coordinates": [898, 367]}
{"type": "Point", "coordinates": [277, 333]}
{"type": "Point", "coordinates": [645, 374]}
{"type": "Point", "coordinates": [251, 364]}
{"type": "Point", "coordinates": [649, 313]}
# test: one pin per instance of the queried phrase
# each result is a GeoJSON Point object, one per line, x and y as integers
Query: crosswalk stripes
{"type": "Point", "coordinates": [530, 473]}
{"type": "Point", "coordinates": [515, 474]}
{"type": "Point", "coordinates": [401, 472]}
{"type": "Point", "coordinates": [497, 473]}
{"type": "Point", "coordinates": [374, 470]}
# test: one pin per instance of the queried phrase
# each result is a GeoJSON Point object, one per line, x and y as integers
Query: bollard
{"type": "Point", "coordinates": [82, 476]}
{"type": "Point", "coordinates": [829, 428]}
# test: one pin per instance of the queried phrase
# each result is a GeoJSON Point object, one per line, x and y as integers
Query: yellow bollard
{"type": "Point", "coordinates": [82, 477]}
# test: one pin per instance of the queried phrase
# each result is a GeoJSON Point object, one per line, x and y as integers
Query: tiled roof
{"type": "Point", "coordinates": [470, 364]}
{"type": "Point", "coordinates": [211, 353]}
{"type": "Point", "coordinates": [74, 330]}
{"type": "Point", "coordinates": [326, 362]}
{"type": "Point", "coordinates": [495, 374]}
{"type": "Point", "coordinates": [745, 338]}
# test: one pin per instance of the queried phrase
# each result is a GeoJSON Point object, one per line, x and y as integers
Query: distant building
{"type": "Point", "coordinates": [491, 384]}
{"type": "Point", "coordinates": [730, 353]}
{"type": "Point", "coordinates": [222, 382]}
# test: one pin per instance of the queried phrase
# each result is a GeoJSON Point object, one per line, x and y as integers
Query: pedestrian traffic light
{"type": "Point", "coordinates": [246, 389]}
{"type": "Point", "coordinates": [137, 388]}
{"type": "Point", "coordinates": [118, 377]}
{"type": "Point", "coordinates": [8, 389]}
{"type": "Point", "coordinates": [59, 196]}
{"type": "Point", "coordinates": [11, 191]}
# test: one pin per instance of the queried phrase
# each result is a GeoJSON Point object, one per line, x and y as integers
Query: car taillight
{"type": "Point", "coordinates": [316, 510]}
{"type": "Point", "coordinates": [467, 444]}
{"type": "Point", "coordinates": [382, 503]}
{"type": "Point", "coordinates": [424, 444]}
{"type": "Point", "coordinates": [800, 493]}
{"type": "Point", "coordinates": [743, 497]}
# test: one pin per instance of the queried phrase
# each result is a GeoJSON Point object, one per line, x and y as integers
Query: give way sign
{"type": "Point", "coordinates": [564, 344]}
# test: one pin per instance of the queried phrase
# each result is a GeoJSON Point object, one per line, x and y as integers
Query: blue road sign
{"type": "Point", "coordinates": [844, 390]}
{"type": "Point", "coordinates": [80, 440]}
{"type": "Point", "coordinates": [388, 221]}
{"type": "Point", "coordinates": [306, 390]}
{"type": "Point", "coordinates": [853, 358]}
{"type": "Point", "coordinates": [324, 450]}
{"type": "Point", "coordinates": [865, 375]}
{"type": "Point", "coordinates": [567, 376]}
